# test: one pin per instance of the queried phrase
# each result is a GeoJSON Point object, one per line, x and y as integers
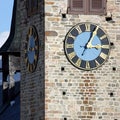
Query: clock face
{"type": "Point", "coordinates": [31, 49]}
{"type": "Point", "coordinates": [86, 46]}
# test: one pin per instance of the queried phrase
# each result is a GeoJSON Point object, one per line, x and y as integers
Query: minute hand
{"type": "Point", "coordinates": [91, 39]}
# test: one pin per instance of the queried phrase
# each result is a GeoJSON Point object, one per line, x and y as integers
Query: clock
{"type": "Point", "coordinates": [31, 49]}
{"type": "Point", "coordinates": [86, 46]}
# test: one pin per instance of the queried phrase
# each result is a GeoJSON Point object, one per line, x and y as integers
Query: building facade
{"type": "Point", "coordinates": [51, 87]}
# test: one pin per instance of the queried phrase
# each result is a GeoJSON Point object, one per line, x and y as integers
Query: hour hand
{"type": "Point", "coordinates": [98, 46]}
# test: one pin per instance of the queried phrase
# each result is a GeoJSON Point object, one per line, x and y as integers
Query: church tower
{"type": "Point", "coordinates": [70, 59]}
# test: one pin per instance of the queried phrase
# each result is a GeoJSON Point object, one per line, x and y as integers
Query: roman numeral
{"type": "Point", "coordinates": [70, 35]}
{"type": "Point", "coordinates": [35, 57]}
{"type": "Point", "coordinates": [78, 29]}
{"type": "Point", "coordinates": [105, 46]}
{"type": "Point", "coordinates": [103, 37]}
{"type": "Point", "coordinates": [102, 55]}
{"type": "Point", "coordinates": [36, 47]}
{"type": "Point", "coordinates": [30, 67]}
{"type": "Point", "coordinates": [25, 51]}
{"type": "Point", "coordinates": [78, 62]}
{"type": "Point", "coordinates": [87, 26]}
{"type": "Point", "coordinates": [26, 60]}
{"type": "Point", "coordinates": [69, 45]}
{"type": "Point", "coordinates": [30, 31]}
{"type": "Point", "coordinates": [72, 55]}
{"type": "Point", "coordinates": [35, 38]}
{"type": "Point", "coordinates": [97, 63]}
{"type": "Point", "coordinates": [87, 65]}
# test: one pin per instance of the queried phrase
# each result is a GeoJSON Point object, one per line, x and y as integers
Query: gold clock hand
{"type": "Point", "coordinates": [91, 39]}
{"type": "Point", "coordinates": [98, 46]}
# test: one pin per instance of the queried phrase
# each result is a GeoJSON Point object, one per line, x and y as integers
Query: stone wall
{"type": "Point", "coordinates": [57, 90]}
{"type": "Point", "coordinates": [32, 84]}
{"type": "Point", "coordinates": [73, 94]}
{"type": "Point", "coordinates": [14, 63]}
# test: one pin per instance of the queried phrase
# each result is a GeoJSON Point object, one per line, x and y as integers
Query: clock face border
{"type": "Point", "coordinates": [79, 63]}
{"type": "Point", "coordinates": [31, 53]}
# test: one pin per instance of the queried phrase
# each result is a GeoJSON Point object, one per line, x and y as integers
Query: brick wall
{"type": "Point", "coordinates": [69, 93]}
{"type": "Point", "coordinates": [32, 84]}
{"type": "Point", "coordinates": [75, 94]}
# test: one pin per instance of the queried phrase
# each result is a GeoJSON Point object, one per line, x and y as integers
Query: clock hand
{"type": "Point", "coordinates": [98, 46]}
{"type": "Point", "coordinates": [89, 43]}
{"type": "Point", "coordinates": [85, 47]}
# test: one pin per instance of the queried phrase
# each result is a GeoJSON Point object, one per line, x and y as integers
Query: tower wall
{"type": "Point", "coordinates": [57, 90]}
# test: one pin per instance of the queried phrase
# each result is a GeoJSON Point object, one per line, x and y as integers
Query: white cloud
{"type": "Point", "coordinates": [3, 37]}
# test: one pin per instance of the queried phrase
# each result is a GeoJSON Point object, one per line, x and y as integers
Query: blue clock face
{"type": "Point", "coordinates": [86, 46]}
{"type": "Point", "coordinates": [31, 49]}
{"type": "Point", "coordinates": [79, 44]}
{"type": "Point", "coordinates": [31, 52]}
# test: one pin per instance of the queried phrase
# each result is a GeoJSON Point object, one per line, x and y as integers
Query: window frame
{"type": "Point", "coordinates": [87, 8]}
{"type": "Point", "coordinates": [73, 10]}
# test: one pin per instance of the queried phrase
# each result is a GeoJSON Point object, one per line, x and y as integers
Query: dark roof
{"type": "Point", "coordinates": [12, 44]}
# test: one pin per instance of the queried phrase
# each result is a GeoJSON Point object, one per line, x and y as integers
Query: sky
{"type": "Point", "coordinates": [6, 7]}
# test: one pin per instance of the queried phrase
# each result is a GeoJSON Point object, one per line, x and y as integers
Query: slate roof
{"type": "Point", "coordinates": [12, 112]}
{"type": "Point", "coordinates": [8, 112]}
{"type": "Point", "coordinates": [12, 45]}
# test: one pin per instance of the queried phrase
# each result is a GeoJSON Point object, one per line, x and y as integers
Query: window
{"type": "Point", "coordinates": [87, 7]}
{"type": "Point", "coordinates": [32, 7]}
